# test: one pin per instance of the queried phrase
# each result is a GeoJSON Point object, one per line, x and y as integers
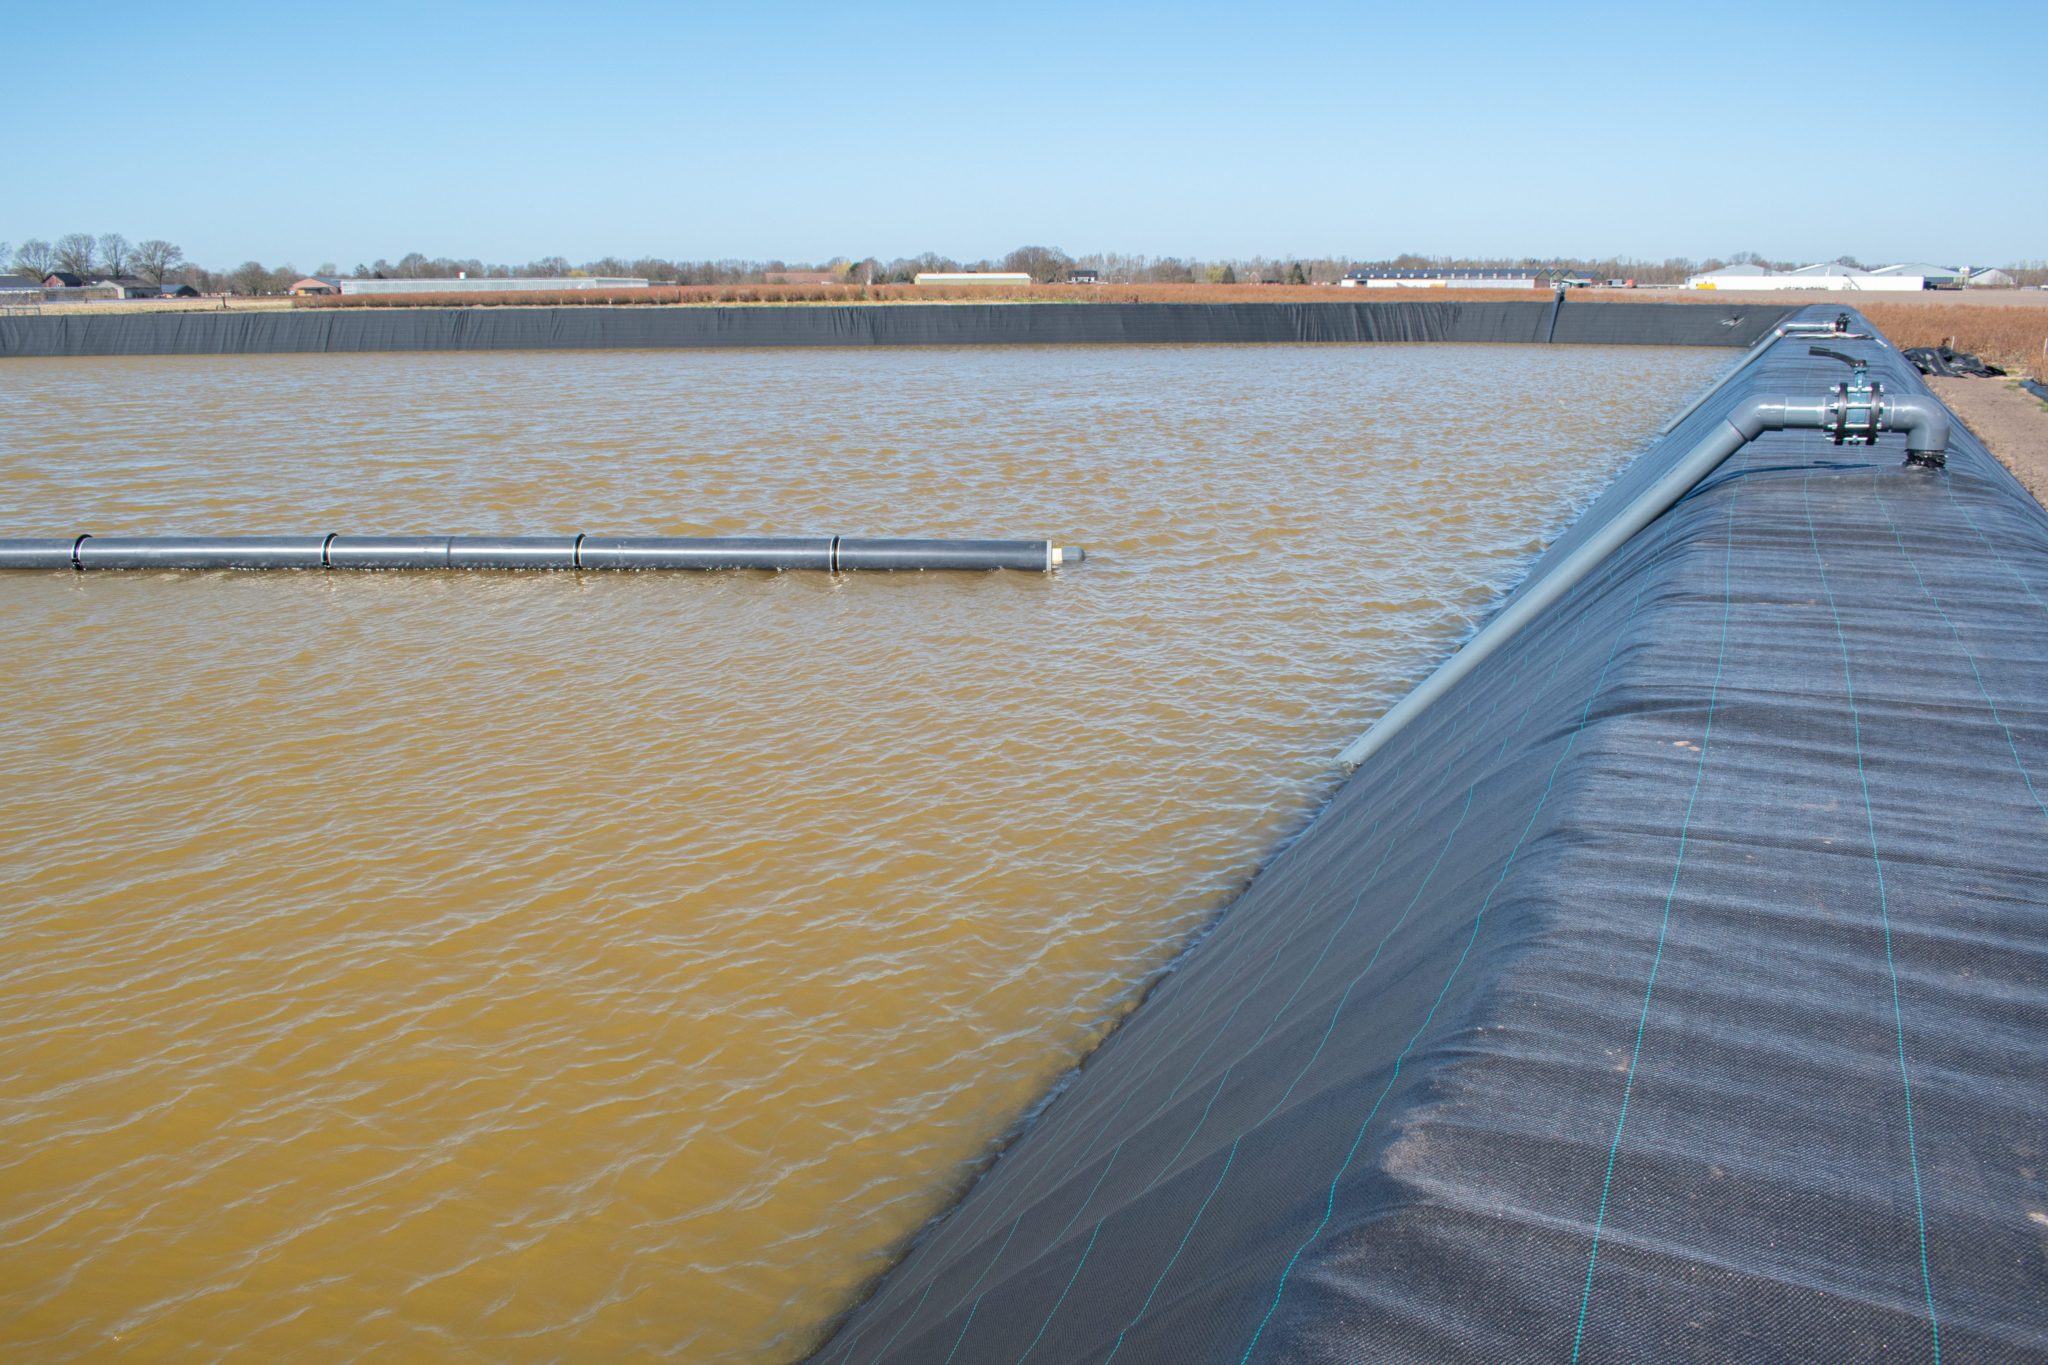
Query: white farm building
{"type": "Point", "coordinates": [1836, 277]}
{"type": "Point", "coordinates": [1440, 279]}
{"type": "Point", "coordinates": [972, 277]}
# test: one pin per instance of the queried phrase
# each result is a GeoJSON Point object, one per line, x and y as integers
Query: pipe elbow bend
{"type": "Point", "coordinates": [1925, 424]}
{"type": "Point", "coordinates": [1754, 416]}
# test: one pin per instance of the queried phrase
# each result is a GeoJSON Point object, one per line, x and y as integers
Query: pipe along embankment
{"type": "Point", "coordinates": [830, 554]}
{"type": "Point", "coordinates": [1674, 985]}
{"type": "Point", "coordinates": [1855, 412]}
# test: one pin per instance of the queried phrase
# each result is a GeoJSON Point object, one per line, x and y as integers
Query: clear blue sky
{"type": "Point", "coordinates": [310, 132]}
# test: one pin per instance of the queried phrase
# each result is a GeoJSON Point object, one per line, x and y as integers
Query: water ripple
{"type": "Point", "coordinates": [557, 965]}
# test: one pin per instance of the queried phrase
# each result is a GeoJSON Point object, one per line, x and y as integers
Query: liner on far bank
{"type": "Point", "coordinates": [489, 329]}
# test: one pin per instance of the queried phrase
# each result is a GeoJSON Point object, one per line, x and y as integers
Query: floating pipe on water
{"type": "Point", "coordinates": [1042, 556]}
{"type": "Point", "coordinates": [40, 552]}
{"type": "Point", "coordinates": [832, 554]}
{"type": "Point", "coordinates": [706, 552]}
{"type": "Point", "coordinates": [384, 552]}
{"type": "Point", "coordinates": [200, 552]}
{"type": "Point", "coordinates": [1927, 431]}
{"type": "Point", "coordinates": [512, 552]}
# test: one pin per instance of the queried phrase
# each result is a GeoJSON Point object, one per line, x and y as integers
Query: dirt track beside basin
{"type": "Point", "coordinates": [2006, 418]}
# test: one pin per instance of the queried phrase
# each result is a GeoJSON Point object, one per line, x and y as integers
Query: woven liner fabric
{"type": "Point", "coordinates": [1675, 989]}
{"type": "Point", "coordinates": [1063, 324]}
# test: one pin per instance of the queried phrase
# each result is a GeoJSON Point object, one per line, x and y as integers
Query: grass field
{"type": "Point", "coordinates": [878, 293]}
{"type": "Point", "coordinates": [2013, 338]}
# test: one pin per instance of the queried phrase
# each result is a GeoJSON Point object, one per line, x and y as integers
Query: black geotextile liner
{"type": "Point", "coordinates": [917, 324]}
{"type": "Point", "coordinates": [1675, 989]}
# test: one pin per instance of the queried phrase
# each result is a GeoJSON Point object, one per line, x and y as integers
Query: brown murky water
{"type": "Point", "coordinates": [560, 966]}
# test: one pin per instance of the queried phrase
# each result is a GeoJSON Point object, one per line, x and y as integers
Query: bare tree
{"type": "Point", "coordinates": [116, 256]}
{"type": "Point", "coordinates": [156, 258]}
{"type": "Point", "coordinates": [250, 277]}
{"type": "Point", "coordinates": [35, 257]}
{"type": "Point", "coordinates": [1043, 264]}
{"type": "Point", "coordinates": [74, 253]}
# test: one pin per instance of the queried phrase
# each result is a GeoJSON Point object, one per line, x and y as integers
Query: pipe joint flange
{"type": "Point", "coordinates": [1856, 412]}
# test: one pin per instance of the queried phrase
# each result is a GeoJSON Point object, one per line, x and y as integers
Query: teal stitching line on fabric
{"type": "Point", "coordinates": [1174, 1260]}
{"type": "Point", "coordinates": [967, 1324]}
{"type": "Point", "coordinates": [1330, 1205]}
{"type": "Point", "coordinates": [969, 1290]}
{"type": "Point", "coordinates": [999, 1256]}
{"type": "Point", "coordinates": [1957, 635]}
{"type": "Point", "coordinates": [1063, 1295]}
{"type": "Point", "coordinates": [1161, 1107]}
{"type": "Point", "coordinates": [1663, 929]}
{"type": "Point", "coordinates": [1345, 999]}
{"type": "Point", "coordinates": [1105, 1218]}
{"type": "Point", "coordinates": [1293, 933]}
{"type": "Point", "coordinates": [1130, 1094]}
{"type": "Point", "coordinates": [1370, 881]}
{"type": "Point", "coordinates": [1221, 1081]}
{"type": "Point", "coordinates": [1082, 1207]}
{"type": "Point", "coordinates": [1459, 716]}
{"type": "Point", "coordinates": [1224, 1079]}
{"type": "Point", "coordinates": [928, 1247]}
{"type": "Point", "coordinates": [1399, 766]}
{"type": "Point", "coordinates": [1409, 909]}
{"type": "Point", "coordinates": [1191, 1135]}
{"type": "Point", "coordinates": [1134, 1090]}
{"type": "Point", "coordinates": [1328, 943]}
{"type": "Point", "coordinates": [1989, 544]}
{"type": "Point", "coordinates": [1158, 1109]}
{"type": "Point", "coordinates": [846, 1352]}
{"type": "Point", "coordinates": [1884, 916]}
{"type": "Point", "coordinates": [930, 1285]}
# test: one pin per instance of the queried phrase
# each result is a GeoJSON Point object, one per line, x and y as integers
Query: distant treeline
{"type": "Point", "coordinates": [159, 261]}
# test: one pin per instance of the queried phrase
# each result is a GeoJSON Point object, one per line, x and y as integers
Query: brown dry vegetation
{"type": "Point", "coordinates": [2011, 338]}
{"type": "Point", "coordinates": [910, 293]}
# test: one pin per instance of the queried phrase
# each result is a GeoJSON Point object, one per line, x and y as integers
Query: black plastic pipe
{"type": "Point", "coordinates": [1037, 555]}
{"type": "Point", "coordinates": [829, 553]}
{"type": "Point", "coordinates": [41, 552]}
{"type": "Point", "coordinates": [200, 552]}
{"type": "Point", "coordinates": [386, 552]}
{"type": "Point", "coordinates": [512, 552]}
{"type": "Point", "coordinates": [706, 552]}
